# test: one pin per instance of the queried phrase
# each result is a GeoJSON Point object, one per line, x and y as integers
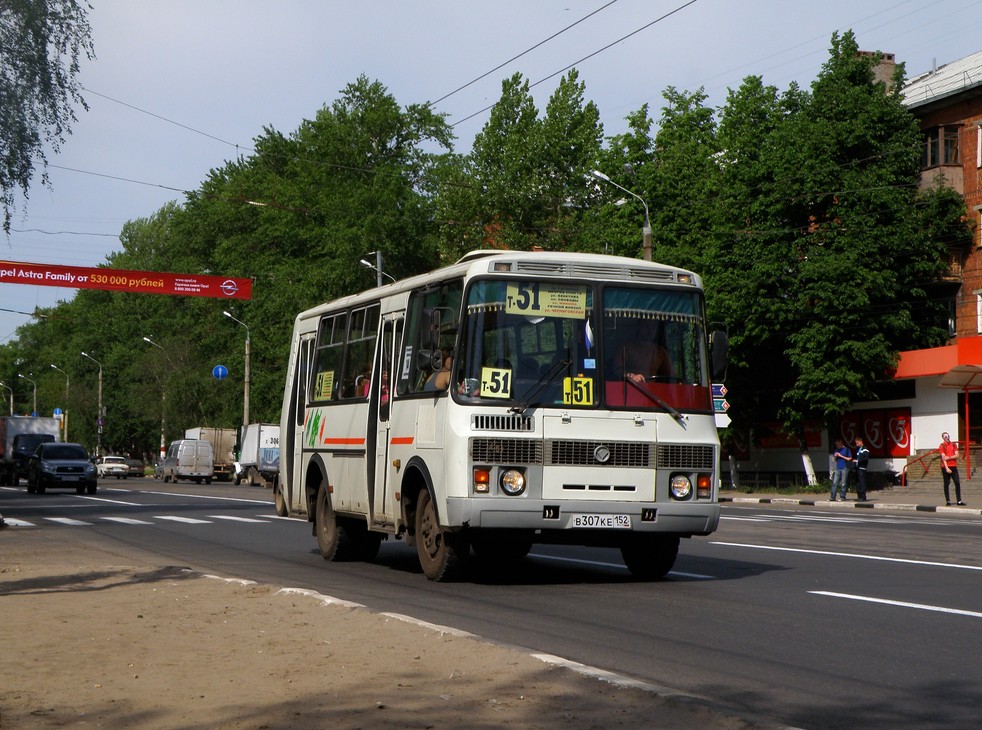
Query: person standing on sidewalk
{"type": "Point", "coordinates": [862, 461]}
{"type": "Point", "coordinates": [842, 458]}
{"type": "Point", "coordinates": [949, 468]}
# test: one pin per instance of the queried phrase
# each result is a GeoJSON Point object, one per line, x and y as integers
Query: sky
{"type": "Point", "coordinates": [178, 87]}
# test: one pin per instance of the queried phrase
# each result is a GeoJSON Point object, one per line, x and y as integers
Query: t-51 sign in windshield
{"type": "Point", "coordinates": [141, 282]}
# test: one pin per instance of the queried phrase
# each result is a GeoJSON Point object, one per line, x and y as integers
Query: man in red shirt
{"type": "Point", "coordinates": [949, 468]}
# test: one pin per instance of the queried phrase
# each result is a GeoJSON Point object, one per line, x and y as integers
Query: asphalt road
{"type": "Point", "coordinates": [804, 615]}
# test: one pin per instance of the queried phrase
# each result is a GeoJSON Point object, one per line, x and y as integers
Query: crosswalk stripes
{"type": "Point", "coordinates": [91, 521]}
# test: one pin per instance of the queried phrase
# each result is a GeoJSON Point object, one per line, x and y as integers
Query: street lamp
{"type": "Point", "coordinates": [11, 396]}
{"type": "Point", "coordinates": [646, 231]}
{"type": "Point", "coordinates": [377, 267]}
{"type": "Point", "coordinates": [34, 411]}
{"type": "Point", "coordinates": [64, 412]}
{"type": "Point", "coordinates": [163, 401]}
{"type": "Point", "coordinates": [98, 438]}
{"type": "Point", "coordinates": [248, 348]}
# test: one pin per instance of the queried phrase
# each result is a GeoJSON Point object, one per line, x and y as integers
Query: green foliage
{"type": "Point", "coordinates": [42, 43]}
{"type": "Point", "coordinates": [801, 210]}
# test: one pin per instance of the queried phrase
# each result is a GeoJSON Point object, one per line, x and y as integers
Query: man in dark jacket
{"type": "Point", "coordinates": [862, 462]}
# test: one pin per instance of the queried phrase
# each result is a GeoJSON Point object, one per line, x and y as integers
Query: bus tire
{"type": "Point", "coordinates": [650, 557]}
{"type": "Point", "coordinates": [442, 555]}
{"type": "Point", "coordinates": [334, 538]}
{"type": "Point", "coordinates": [279, 501]}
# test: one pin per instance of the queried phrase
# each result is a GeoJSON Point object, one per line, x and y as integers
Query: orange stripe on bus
{"type": "Point", "coordinates": [344, 441]}
{"type": "Point", "coordinates": [402, 441]}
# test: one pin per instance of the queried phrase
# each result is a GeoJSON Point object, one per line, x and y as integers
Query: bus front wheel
{"type": "Point", "coordinates": [650, 557]}
{"type": "Point", "coordinates": [442, 555]}
{"type": "Point", "coordinates": [334, 539]}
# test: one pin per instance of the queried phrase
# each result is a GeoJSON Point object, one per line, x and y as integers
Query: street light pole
{"type": "Point", "coordinates": [11, 396]}
{"type": "Point", "coordinates": [163, 402]}
{"type": "Point", "coordinates": [646, 230]}
{"type": "Point", "coordinates": [377, 266]}
{"type": "Point", "coordinates": [98, 438]}
{"type": "Point", "coordinates": [248, 376]}
{"type": "Point", "coordinates": [64, 412]}
{"type": "Point", "coordinates": [35, 409]}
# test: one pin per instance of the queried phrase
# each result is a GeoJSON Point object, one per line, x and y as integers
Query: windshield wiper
{"type": "Point", "coordinates": [525, 402]}
{"type": "Point", "coordinates": [676, 414]}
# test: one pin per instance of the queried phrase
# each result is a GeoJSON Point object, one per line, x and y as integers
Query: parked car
{"type": "Point", "coordinates": [135, 468]}
{"type": "Point", "coordinates": [56, 464]}
{"type": "Point", "coordinates": [112, 466]}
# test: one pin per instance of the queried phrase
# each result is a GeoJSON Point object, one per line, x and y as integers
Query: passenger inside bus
{"type": "Point", "coordinates": [440, 379]}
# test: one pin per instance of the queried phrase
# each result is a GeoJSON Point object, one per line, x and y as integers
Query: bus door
{"type": "Point", "coordinates": [383, 511]}
{"type": "Point", "coordinates": [293, 451]}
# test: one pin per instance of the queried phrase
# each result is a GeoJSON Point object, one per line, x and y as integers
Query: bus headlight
{"type": "Point", "coordinates": [680, 487]}
{"type": "Point", "coordinates": [512, 482]}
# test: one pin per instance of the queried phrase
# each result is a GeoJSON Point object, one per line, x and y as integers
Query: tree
{"type": "Point", "coordinates": [42, 43]}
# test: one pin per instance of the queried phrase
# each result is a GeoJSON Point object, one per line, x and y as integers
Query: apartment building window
{"type": "Point", "coordinates": [940, 147]}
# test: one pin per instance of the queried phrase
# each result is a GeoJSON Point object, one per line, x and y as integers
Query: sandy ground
{"type": "Point", "coordinates": [88, 642]}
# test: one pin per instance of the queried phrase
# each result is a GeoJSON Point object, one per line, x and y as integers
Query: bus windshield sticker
{"type": "Point", "coordinates": [534, 298]}
{"type": "Point", "coordinates": [407, 361]}
{"type": "Point", "coordinates": [578, 391]}
{"type": "Point", "coordinates": [324, 385]}
{"type": "Point", "coordinates": [495, 382]}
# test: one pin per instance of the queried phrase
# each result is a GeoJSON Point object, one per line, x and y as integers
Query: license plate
{"type": "Point", "coordinates": [606, 522]}
{"type": "Point", "coordinates": [70, 479]}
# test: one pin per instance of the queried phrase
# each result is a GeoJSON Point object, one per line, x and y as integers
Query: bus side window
{"type": "Point", "coordinates": [325, 380]}
{"type": "Point", "coordinates": [439, 304]}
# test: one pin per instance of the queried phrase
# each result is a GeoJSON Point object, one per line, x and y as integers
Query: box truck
{"type": "Point", "coordinates": [259, 457]}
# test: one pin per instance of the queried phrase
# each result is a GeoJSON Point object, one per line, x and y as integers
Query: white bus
{"type": "Point", "coordinates": [510, 399]}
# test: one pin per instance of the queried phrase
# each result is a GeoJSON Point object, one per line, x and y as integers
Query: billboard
{"type": "Point", "coordinates": [140, 282]}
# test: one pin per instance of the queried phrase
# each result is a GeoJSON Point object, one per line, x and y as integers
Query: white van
{"type": "Point", "coordinates": [188, 459]}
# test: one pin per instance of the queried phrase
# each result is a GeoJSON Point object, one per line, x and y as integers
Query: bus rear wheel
{"type": "Point", "coordinates": [442, 555]}
{"type": "Point", "coordinates": [650, 557]}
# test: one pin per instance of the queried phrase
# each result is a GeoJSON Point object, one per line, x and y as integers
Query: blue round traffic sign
{"type": "Point", "coordinates": [220, 372]}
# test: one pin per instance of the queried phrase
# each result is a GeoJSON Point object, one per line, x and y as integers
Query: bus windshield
{"type": "Point", "coordinates": [530, 343]}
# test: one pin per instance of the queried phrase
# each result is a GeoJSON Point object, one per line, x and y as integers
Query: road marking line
{"type": "Point", "coordinates": [186, 520]}
{"type": "Point", "coordinates": [14, 522]}
{"type": "Point", "coordinates": [127, 520]}
{"type": "Point", "coordinates": [113, 501]}
{"type": "Point", "coordinates": [848, 555]}
{"type": "Point", "coordinates": [236, 519]}
{"type": "Point", "coordinates": [208, 496]}
{"type": "Point", "coordinates": [901, 604]}
{"type": "Point", "coordinates": [67, 521]}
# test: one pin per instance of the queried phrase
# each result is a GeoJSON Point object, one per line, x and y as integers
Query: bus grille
{"type": "Point", "coordinates": [685, 456]}
{"type": "Point", "coordinates": [506, 451]}
{"type": "Point", "coordinates": [498, 422]}
{"type": "Point", "coordinates": [584, 453]}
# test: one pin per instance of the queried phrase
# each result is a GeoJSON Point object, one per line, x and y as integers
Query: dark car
{"type": "Point", "coordinates": [136, 468]}
{"type": "Point", "coordinates": [61, 465]}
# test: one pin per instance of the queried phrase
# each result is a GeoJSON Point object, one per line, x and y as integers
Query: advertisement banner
{"type": "Point", "coordinates": [886, 432]}
{"type": "Point", "coordinates": [140, 282]}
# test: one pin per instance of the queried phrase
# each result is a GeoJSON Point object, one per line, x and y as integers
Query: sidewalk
{"type": "Point", "coordinates": [925, 495]}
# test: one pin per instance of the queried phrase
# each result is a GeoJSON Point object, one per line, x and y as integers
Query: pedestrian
{"type": "Point", "coordinates": [949, 468]}
{"type": "Point", "coordinates": [842, 458]}
{"type": "Point", "coordinates": [862, 462]}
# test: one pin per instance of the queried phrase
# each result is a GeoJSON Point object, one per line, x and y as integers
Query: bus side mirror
{"type": "Point", "coordinates": [719, 345]}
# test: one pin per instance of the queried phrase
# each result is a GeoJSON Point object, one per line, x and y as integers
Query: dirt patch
{"type": "Point", "coordinates": [89, 641]}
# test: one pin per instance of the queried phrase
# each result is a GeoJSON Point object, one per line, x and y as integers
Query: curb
{"type": "Point", "coordinates": [902, 507]}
